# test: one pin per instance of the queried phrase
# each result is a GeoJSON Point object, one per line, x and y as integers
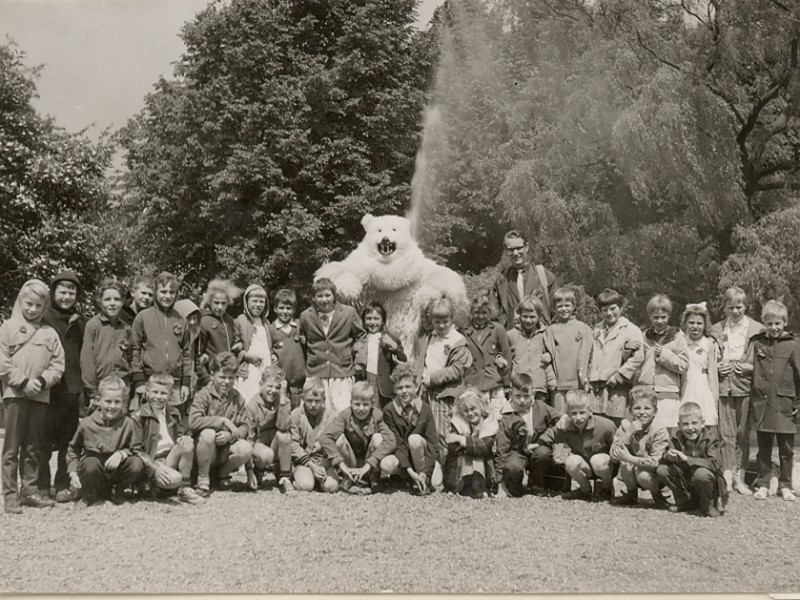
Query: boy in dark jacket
{"type": "Point", "coordinates": [411, 422]}
{"type": "Point", "coordinates": [64, 409]}
{"type": "Point", "coordinates": [357, 440]}
{"type": "Point", "coordinates": [105, 450]}
{"type": "Point", "coordinates": [288, 345]}
{"type": "Point", "coordinates": [691, 467]}
{"type": "Point", "coordinates": [167, 452]}
{"type": "Point", "coordinates": [775, 396]}
{"type": "Point", "coordinates": [161, 343]}
{"type": "Point", "coordinates": [520, 427]}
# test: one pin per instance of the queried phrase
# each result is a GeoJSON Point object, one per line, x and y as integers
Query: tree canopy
{"type": "Point", "coordinates": [52, 189]}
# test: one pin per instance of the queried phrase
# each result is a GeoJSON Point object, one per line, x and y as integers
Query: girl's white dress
{"type": "Point", "coordinates": [260, 346]}
{"type": "Point", "coordinates": [697, 387]}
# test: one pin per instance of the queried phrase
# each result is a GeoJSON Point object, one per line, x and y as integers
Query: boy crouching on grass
{"type": "Point", "coordinates": [220, 422]}
{"type": "Point", "coordinates": [103, 456]}
{"type": "Point", "coordinates": [691, 467]}
{"type": "Point", "coordinates": [589, 439]}
{"type": "Point", "coordinates": [357, 440]}
{"type": "Point", "coordinates": [411, 422]}
{"type": "Point", "coordinates": [521, 424]}
{"type": "Point", "coordinates": [167, 453]}
{"type": "Point", "coordinates": [638, 446]}
{"type": "Point", "coordinates": [312, 469]}
{"type": "Point", "coordinates": [270, 420]}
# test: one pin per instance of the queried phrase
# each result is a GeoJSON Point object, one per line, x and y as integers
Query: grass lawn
{"type": "Point", "coordinates": [268, 542]}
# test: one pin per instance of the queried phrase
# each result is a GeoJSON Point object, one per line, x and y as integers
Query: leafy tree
{"type": "Point", "coordinates": [52, 187]}
{"type": "Point", "coordinates": [287, 120]}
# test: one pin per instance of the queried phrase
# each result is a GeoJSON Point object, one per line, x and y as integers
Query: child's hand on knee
{"type": "Point", "coordinates": [162, 476]}
{"type": "Point", "coordinates": [359, 474]}
{"type": "Point", "coordinates": [185, 441]}
{"type": "Point", "coordinates": [75, 481]}
{"type": "Point", "coordinates": [320, 474]}
{"type": "Point", "coordinates": [113, 461]}
{"type": "Point", "coordinates": [222, 438]}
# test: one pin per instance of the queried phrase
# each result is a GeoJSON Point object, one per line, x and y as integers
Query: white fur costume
{"type": "Point", "coordinates": [388, 266]}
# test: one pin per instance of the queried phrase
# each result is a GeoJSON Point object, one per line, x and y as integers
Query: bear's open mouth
{"type": "Point", "coordinates": [386, 247]}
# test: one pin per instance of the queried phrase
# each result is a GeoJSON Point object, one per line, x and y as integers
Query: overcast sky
{"type": "Point", "coordinates": [101, 57]}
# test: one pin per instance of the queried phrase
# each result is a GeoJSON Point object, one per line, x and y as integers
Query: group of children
{"type": "Point", "coordinates": [180, 397]}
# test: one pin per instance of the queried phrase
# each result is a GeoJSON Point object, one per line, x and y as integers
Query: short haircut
{"type": "Point", "coordinates": [322, 284]}
{"type": "Point", "coordinates": [690, 409]}
{"type": "Point", "coordinates": [221, 286]}
{"type": "Point", "coordinates": [166, 279]}
{"type": "Point", "coordinates": [111, 384]}
{"type": "Point", "coordinates": [161, 378]}
{"type": "Point", "coordinates": [659, 303]}
{"type": "Point", "coordinates": [774, 309]}
{"type": "Point", "coordinates": [374, 307]}
{"type": "Point", "coordinates": [531, 303]}
{"type": "Point", "coordinates": [564, 294]}
{"type": "Point", "coordinates": [578, 398]}
{"type": "Point", "coordinates": [362, 390]}
{"type": "Point", "coordinates": [273, 373]}
{"type": "Point", "coordinates": [109, 283]}
{"type": "Point", "coordinates": [313, 386]}
{"type": "Point", "coordinates": [285, 296]}
{"type": "Point", "coordinates": [484, 299]}
{"type": "Point", "coordinates": [644, 392]}
{"type": "Point", "coordinates": [732, 294]}
{"type": "Point", "coordinates": [522, 382]}
{"type": "Point", "coordinates": [441, 308]}
{"type": "Point", "coordinates": [404, 371]}
{"type": "Point", "coordinates": [472, 396]}
{"type": "Point", "coordinates": [224, 361]}
{"type": "Point", "coordinates": [609, 297]}
{"type": "Point", "coordinates": [515, 234]}
{"type": "Point", "coordinates": [143, 281]}
{"type": "Point", "coordinates": [699, 310]}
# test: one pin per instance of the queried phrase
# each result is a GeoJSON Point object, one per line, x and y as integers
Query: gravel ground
{"type": "Point", "coordinates": [268, 542]}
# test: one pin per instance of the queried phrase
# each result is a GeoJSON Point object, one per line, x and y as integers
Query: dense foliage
{"type": "Point", "coordinates": [286, 121]}
{"type": "Point", "coordinates": [52, 189]}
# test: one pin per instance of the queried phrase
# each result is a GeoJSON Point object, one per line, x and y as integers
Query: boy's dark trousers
{"type": "Point", "coordinates": [96, 481]}
{"type": "Point", "coordinates": [24, 429]}
{"type": "Point", "coordinates": [689, 484]}
{"type": "Point", "coordinates": [539, 462]}
{"type": "Point", "coordinates": [785, 454]}
{"type": "Point", "coordinates": [60, 425]}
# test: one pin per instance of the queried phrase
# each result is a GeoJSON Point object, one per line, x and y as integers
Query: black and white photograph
{"type": "Point", "coordinates": [400, 296]}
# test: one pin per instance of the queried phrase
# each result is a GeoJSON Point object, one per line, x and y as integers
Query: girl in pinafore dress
{"type": "Point", "coordinates": [700, 384]}
{"type": "Point", "coordinates": [256, 341]}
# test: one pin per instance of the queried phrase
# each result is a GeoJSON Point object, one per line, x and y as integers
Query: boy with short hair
{"type": "Point", "coordinates": [331, 330]}
{"type": "Point", "coordinates": [31, 362]}
{"type": "Point", "coordinates": [64, 409]}
{"type": "Point", "coordinates": [357, 440]}
{"type": "Point", "coordinates": [270, 435]}
{"type": "Point", "coordinates": [691, 465]}
{"type": "Point", "coordinates": [161, 344]}
{"type": "Point", "coordinates": [568, 341]}
{"type": "Point", "coordinates": [167, 452]}
{"type": "Point", "coordinates": [220, 423]}
{"type": "Point", "coordinates": [491, 355]}
{"type": "Point", "coordinates": [526, 342]}
{"type": "Point", "coordinates": [104, 456]}
{"type": "Point", "coordinates": [312, 469]}
{"type": "Point", "coordinates": [521, 425]}
{"type": "Point", "coordinates": [411, 422]}
{"type": "Point", "coordinates": [287, 344]}
{"type": "Point", "coordinates": [666, 359]}
{"type": "Point", "coordinates": [106, 341]}
{"type": "Point", "coordinates": [589, 437]}
{"type": "Point", "coordinates": [775, 396]}
{"type": "Point", "coordinates": [614, 361]}
{"type": "Point", "coordinates": [733, 335]}
{"type": "Point", "coordinates": [638, 446]}
{"type": "Point", "coordinates": [142, 294]}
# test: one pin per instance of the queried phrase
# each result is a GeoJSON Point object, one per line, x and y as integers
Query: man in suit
{"type": "Point", "coordinates": [521, 279]}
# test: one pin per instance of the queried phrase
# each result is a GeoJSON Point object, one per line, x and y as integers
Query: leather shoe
{"type": "Point", "coordinates": [37, 501]}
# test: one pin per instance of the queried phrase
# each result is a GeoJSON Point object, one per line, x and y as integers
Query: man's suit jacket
{"type": "Point", "coordinates": [505, 289]}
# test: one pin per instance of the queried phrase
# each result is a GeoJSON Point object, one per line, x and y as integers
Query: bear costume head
{"type": "Point", "coordinates": [389, 246]}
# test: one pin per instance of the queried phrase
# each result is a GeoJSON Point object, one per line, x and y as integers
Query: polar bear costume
{"type": "Point", "coordinates": [389, 267]}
